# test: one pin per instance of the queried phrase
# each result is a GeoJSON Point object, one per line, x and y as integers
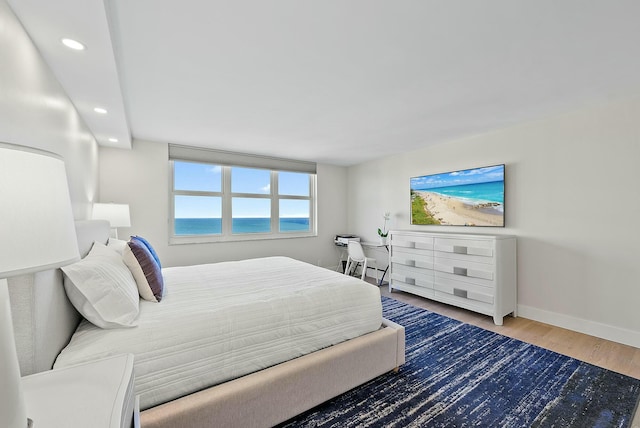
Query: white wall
{"type": "Point", "coordinates": [140, 177]}
{"type": "Point", "coordinates": [571, 198]}
{"type": "Point", "coordinates": [35, 111]}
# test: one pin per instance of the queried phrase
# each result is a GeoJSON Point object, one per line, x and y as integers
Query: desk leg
{"type": "Point", "coordinates": [383, 274]}
{"type": "Point", "coordinates": [386, 269]}
{"type": "Point", "coordinates": [341, 259]}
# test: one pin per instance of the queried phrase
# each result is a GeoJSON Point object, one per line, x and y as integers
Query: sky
{"type": "Point", "coordinates": [458, 178]}
{"type": "Point", "coordinates": [203, 177]}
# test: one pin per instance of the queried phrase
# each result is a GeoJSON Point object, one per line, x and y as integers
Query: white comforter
{"type": "Point", "coordinates": [221, 321]}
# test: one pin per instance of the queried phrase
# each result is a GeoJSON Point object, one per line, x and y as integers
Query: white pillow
{"type": "Point", "coordinates": [117, 245]}
{"type": "Point", "coordinates": [102, 289]}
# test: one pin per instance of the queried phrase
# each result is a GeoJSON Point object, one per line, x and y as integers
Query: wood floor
{"type": "Point", "coordinates": [600, 352]}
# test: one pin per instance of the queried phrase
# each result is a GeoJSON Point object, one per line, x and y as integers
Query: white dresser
{"type": "Point", "coordinates": [475, 272]}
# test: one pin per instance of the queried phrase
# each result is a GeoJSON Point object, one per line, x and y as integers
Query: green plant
{"type": "Point", "coordinates": [384, 232]}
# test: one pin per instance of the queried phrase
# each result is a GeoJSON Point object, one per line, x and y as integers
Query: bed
{"type": "Point", "coordinates": [271, 387]}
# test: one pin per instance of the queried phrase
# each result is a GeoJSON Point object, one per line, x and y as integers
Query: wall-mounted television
{"type": "Point", "coordinates": [469, 197]}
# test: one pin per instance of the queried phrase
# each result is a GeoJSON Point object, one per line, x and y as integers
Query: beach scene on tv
{"type": "Point", "coordinates": [471, 197]}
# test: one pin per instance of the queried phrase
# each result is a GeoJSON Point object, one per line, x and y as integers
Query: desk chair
{"type": "Point", "coordinates": [357, 256]}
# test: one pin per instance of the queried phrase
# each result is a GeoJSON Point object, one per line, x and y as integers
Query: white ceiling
{"type": "Point", "coordinates": [333, 81]}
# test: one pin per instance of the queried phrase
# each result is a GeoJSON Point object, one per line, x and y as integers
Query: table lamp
{"type": "Point", "coordinates": [37, 233]}
{"type": "Point", "coordinates": [116, 214]}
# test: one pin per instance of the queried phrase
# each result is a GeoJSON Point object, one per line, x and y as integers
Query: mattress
{"type": "Point", "coordinates": [221, 321]}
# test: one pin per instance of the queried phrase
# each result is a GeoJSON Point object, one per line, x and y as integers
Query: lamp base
{"type": "Point", "coordinates": [13, 413]}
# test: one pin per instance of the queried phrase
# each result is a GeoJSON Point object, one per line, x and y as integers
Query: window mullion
{"type": "Point", "coordinates": [250, 195]}
{"type": "Point", "coordinates": [302, 198]}
{"type": "Point", "coordinates": [226, 201]}
{"type": "Point", "coordinates": [172, 200]}
{"type": "Point", "coordinates": [196, 193]}
{"type": "Point", "coordinates": [312, 203]}
{"type": "Point", "coordinates": [275, 205]}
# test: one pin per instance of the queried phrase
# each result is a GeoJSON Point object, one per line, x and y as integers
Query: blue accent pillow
{"type": "Point", "coordinates": [149, 247]}
{"type": "Point", "coordinates": [146, 271]}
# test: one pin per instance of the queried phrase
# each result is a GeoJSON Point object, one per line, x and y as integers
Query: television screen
{"type": "Point", "coordinates": [470, 197]}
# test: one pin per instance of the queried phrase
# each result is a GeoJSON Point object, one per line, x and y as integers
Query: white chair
{"type": "Point", "coordinates": [356, 256]}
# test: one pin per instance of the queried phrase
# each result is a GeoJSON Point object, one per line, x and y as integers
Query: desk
{"type": "Point", "coordinates": [369, 244]}
{"type": "Point", "coordinates": [372, 244]}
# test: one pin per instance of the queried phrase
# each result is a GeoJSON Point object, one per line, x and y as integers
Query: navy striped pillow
{"type": "Point", "coordinates": [149, 247]}
{"type": "Point", "coordinates": [145, 270]}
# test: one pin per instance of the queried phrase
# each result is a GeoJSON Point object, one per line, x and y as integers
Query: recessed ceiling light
{"type": "Point", "coordinates": [113, 140]}
{"type": "Point", "coordinates": [100, 110]}
{"type": "Point", "coordinates": [73, 44]}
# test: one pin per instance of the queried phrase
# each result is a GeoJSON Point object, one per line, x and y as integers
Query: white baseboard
{"type": "Point", "coordinates": [334, 267]}
{"type": "Point", "coordinates": [592, 328]}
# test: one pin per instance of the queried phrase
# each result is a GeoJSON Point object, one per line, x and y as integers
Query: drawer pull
{"type": "Point", "coordinates": [459, 249]}
{"type": "Point", "coordinates": [460, 293]}
{"type": "Point", "coordinates": [460, 271]}
{"type": "Point", "coordinates": [410, 281]}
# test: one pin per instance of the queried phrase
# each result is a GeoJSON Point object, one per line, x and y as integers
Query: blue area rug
{"type": "Point", "coordinates": [459, 375]}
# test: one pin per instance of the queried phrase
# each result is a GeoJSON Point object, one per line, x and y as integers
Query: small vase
{"type": "Point", "coordinates": [383, 240]}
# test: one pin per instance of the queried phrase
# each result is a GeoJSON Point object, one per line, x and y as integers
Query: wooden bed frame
{"type": "Point", "coordinates": [44, 321]}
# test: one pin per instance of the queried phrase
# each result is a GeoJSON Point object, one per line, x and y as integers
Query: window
{"type": "Point", "coordinates": [237, 199]}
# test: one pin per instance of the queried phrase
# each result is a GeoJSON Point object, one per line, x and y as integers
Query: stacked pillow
{"type": "Point", "coordinates": [105, 286]}
{"type": "Point", "coordinates": [144, 264]}
{"type": "Point", "coordinates": [102, 289]}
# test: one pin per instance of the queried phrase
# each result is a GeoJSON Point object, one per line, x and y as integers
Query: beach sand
{"type": "Point", "coordinates": [452, 211]}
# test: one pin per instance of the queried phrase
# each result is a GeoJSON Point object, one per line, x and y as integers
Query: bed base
{"type": "Point", "coordinates": [45, 320]}
{"type": "Point", "coordinates": [274, 395]}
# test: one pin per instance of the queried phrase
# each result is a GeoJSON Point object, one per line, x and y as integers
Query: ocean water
{"type": "Point", "coordinates": [212, 226]}
{"type": "Point", "coordinates": [474, 193]}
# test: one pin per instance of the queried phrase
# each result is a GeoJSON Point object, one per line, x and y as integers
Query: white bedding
{"type": "Point", "coordinates": [221, 321]}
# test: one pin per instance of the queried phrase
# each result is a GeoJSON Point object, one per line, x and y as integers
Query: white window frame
{"type": "Point", "coordinates": [227, 195]}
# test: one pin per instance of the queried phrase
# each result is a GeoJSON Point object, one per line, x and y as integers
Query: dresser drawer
{"type": "Point", "coordinates": [400, 281]}
{"type": "Point", "coordinates": [465, 270]}
{"type": "Point", "coordinates": [474, 305]}
{"type": "Point", "coordinates": [407, 241]}
{"type": "Point", "coordinates": [465, 249]}
{"type": "Point", "coordinates": [464, 290]}
{"type": "Point", "coordinates": [411, 275]}
{"type": "Point", "coordinates": [412, 262]}
{"type": "Point", "coordinates": [414, 253]}
{"type": "Point", "coordinates": [417, 258]}
{"type": "Point", "coordinates": [417, 290]}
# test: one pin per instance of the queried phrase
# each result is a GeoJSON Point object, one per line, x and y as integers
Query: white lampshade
{"type": "Point", "coordinates": [37, 233]}
{"type": "Point", "coordinates": [116, 214]}
{"type": "Point", "coordinates": [37, 230]}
